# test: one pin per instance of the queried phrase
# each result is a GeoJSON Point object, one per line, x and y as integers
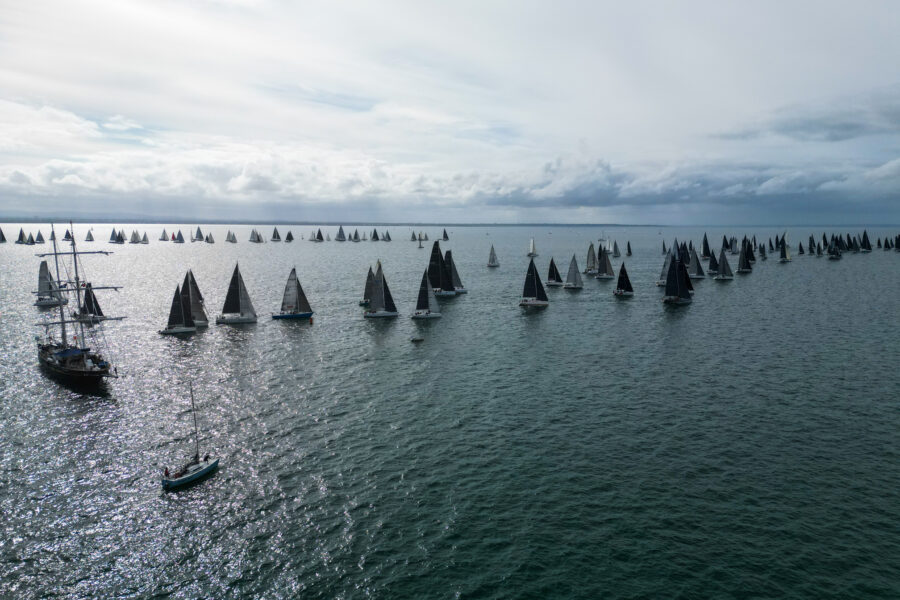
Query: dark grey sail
{"type": "Point", "coordinates": [553, 273]}
{"type": "Point", "coordinates": [190, 289]}
{"type": "Point", "coordinates": [179, 313]}
{"type": "Point", "coordinates": [289, 237]}
{"type": "Point", "coordinates": [627, 248]}
{"type": "Point", "coordinates": [90, 307]}
{"type": "Point", "coordinates": [389, 305]}
{"type": "Point", "coordinates": [713, 267]}
{"type": "Point", "coordinates": [446, 237]}
{"type": "Point", "coordinates": [3, 239]}
{"type": "Point", "coordinates": [533, 286]}
{"type": "Point", "coordinates": [624, 284]}
{"type": "Point", "coordinates": [370, 286]}
{"type": "Point", "coordinates": [319, 237]}
{"type": "Point", "coordinates": [704, 251]}
{"type": "Point", "coordinates": [435, 266]}
{"type": "Point", "coordinates": [454, 275]}
{"type": "Point", "coordinates": [374, 237]}
{"type": "Point", "coordinates": [695, 269]}
{"type": "Point", "coordinates": [422, 298]}
{"type": "Point", "coordinates": [233, 297]}
{"type": "Point", "coordinates": [724, 269]}
{"type": "Point", "coordinates": [677, 282]}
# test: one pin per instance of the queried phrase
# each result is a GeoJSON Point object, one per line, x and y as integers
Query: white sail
{"type": "Point", "coordinates": [573, 277]}
{"type": "Point", "coordinates": [532, 251]}
{"type": "Point", "coordinates": [164, 237]}
{"type": "Point", "coordinates": [89, 237]}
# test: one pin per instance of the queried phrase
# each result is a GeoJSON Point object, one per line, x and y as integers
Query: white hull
{"type": "Point", "coordinates": [604, 277]}
{"type": "Point", "coordinates": [533, 303]}
{"type": "Point", "coordinates": [382, 314]}
{"type": "Point", "coordinates": [177, 330]}
{"type": "Point", "coordinates": [723, 278]}
{"type": "Point", "coordinates": [235, 319]}
{"type": "Point", "coordinates": [443, 293]}
{"type": "Point", "coordinates": [461, 290]}
{"type": "Point", "coordinates": [532, 254]}
{"type": "Point", "coordinates": [422, 314]}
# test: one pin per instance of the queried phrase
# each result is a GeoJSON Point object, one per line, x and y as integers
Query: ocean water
{"type": "Point", "coordinates": [744, 446]}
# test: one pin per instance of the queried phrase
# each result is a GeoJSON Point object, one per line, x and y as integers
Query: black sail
{"type": "Point", "coordinates": [705, 249]}
{"type": "Point", "coordinates": [624, 283]}
{"type": "Point", "coordinates": [176, 312]}
{"type": "Point", "coordinates": [435, 266]}
{"type": "Point", "coordinates": [422, 299]}
{"type": "Point", "coordinates": [91, 306]}
{"type": "Point", "coordinates": [389, 305]}
{"type": "Point", "coordinates": [530, 289]}
{"type": "Point", "coordinates": [233, 298]}
{"type": "Point", "coordinates": [370, 285]}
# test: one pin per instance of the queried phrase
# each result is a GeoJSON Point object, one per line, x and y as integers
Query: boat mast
{"type": "Point", "coordinates": [77, 287]}
{"type": "Point", "coordinates": [62, 312]}
{"type": "Point", "coordinates": [196, 433]}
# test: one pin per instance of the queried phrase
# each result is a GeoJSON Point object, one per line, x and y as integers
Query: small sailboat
{"type": "Point", "coordinates": [425, 236]}
{"type": "Point", "coordinates": [426, 303]}
{"type": "Point", "coordinates": [627, 248]}
{"type": "Point", "coordinates": [356, 235]}
{"type": "Point", "coordinates": [341, 236]}
{"type": "Point", "coordinates": [492, 258]}
{"type": "Point", "coordinates": [800, 251]}
{"type": "Point", "coordinates": [191, 291]}
{"type": "Point", "coordinates": [113, 237]}
{"type": "Point", "coordinates": [533, 294]}
{"type": "Point", "coordinates": [289, 237]}
{"type": "Point", "coordinates": [179, 239]}
{"type": "Point", "coordinates": [230, 237]}
{"type": "Point", "coordinates": [21, 238]}
{"type": "Point", "coordinates": [762, 252]}
{"type": "Point", "coordinates": [276, 237]}
{"type": "Point", "coordinates": [135, 237]}
{"type": "Point", "coordinates": [90, 311]}
{"type": "Point", "coordinates": [386, 237]}
{"type": "Point", "coordinates": [374, 237]}
{"type": "Point", "coordinates": [532, 251]}
{"type": "Point", "coordinates": [623, 285]}
{"type": "Point", "coordinates": [48, 293]}
{"type": "Point", "coordinates": [713, 267]}
{"type": "Point", "coordinates": [615, 252]}
{"type": "Point", "coordinates": [664, 273]}
{"type": "Point", "coordinates": [180, 320]}
{"type": "Point", "coordinates": [198, 236]}
{"type": "Point", "coordinates": [319, 237]}
{"type": "Point", "coordinates": [446, 237]}
{"type": "Point", "coordinates": [785, 256]}
{"type": "Point", "coordinates": [743, 261]}
{"type": "Point", "coordinates": [573, 277]}
{"type": "Point", "coordinates": [195, 469]}
{"type": "Point", "coordinates": [664, 247]}
{"type": "Point", "coordinates": [39, 239]}
{"type": "Point", "coordinates": [255, 237]}
{"type": "Point", "coordinates": [677, 290]}
{"type": "Point", "coordinates": [238, 308]}
{"type": "Point", "coordinates": [413, 237]}
{"type": "Point", "coordinates": [604, 266]}
{"type": "Point", "coordinates": [89, 237]}
{"type": "Point", "coordinates": [145, 239]}
{"type": "Point", "coordinates": [3, 238]}
{"type": "Point", "coordinates": [724, 271]}
{"type": "Point", "coordinates": [294, 304]}
{"type": "Point", "coordinates": [590, 266]}
{"type": "Point", "coordinates": [30, 241]}
{"type": "Point", "coordinates": [554, 279]}
{"type": "Point", "coordinates": [704, 250]}
{"type": "Point", "coordinates": [381, 304]}
{"type": "Point", "coordinates": [209, 238]}
{"type": "Point", "coordinates": [695, 269]}
{"type": "Point", "coordinates": [164, 237]}
{"type": "Point", "coordinates": [458, 286]}
{"type": "Point", "coordinates": [364, 238]}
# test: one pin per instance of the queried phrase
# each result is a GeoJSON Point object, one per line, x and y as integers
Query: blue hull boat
{"type": "Point", "coordinates": [305, 315]}
{"type": "Point", "coordinates": [192, 473]}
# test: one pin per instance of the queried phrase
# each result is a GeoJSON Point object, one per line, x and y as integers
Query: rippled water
{"type": "Point", "coordinates": [743, 446]}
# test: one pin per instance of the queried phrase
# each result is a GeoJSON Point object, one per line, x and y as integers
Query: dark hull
{"type": "Point", "coordinates": [70, 375]}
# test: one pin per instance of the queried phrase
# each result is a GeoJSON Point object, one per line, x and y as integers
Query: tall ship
{"type": "Point", "coordinates": [64, 351]}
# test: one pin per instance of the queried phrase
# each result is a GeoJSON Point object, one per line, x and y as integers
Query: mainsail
{"type": "Point", "coordinates": [294, 300]}
{"type": "Point", "coordinates": [90, 307]}
{"type": "Point", "coordinates": [454, 274]}
{"type": "Point", "coordinates": [533, 289]}
{"type": "Point", "coordinates": [426, 299]}
{"type": "Point", "coordinates": [553, 274]}
{"type": "Point", "coordinates": [195, 303]}
{"type": "Point", "coordinates": [180, 312]}
{"type": "Point", "coordinates": [624, 284]}
{"type": "Point", "coordinates": [492, 258]}
{"type": "Point", "coordinates": [573, 277]}
{"type": "Point", "coordinates": [237, 301]}
{"type": "Point", "coordinates": [435, 266]}
{"type": "Point", "coordinates": [591, 263]}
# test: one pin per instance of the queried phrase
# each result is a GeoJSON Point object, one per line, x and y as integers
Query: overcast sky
{"type": "Point", "coordinates": [628, 112]}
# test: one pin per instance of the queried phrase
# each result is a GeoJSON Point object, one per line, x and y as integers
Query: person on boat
{"type": "Point", "coordinates": [206, 458]}
{"type": "Point", "coordinates": [167, 472]}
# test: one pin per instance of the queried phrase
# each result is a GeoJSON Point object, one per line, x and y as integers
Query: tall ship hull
{"type": "Point", "coordinates": [74, 366]}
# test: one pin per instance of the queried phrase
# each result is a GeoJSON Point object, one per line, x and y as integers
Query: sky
{"type": "Point", "coordinates": [674, 113]}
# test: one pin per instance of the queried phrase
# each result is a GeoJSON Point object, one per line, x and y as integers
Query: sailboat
{"type": "Point", "coordinates": [255, 237]}
{"type": "Point", "coordinates": [743, 261]}
{"type": "Point", "coordinates": [135, 237]}
{"type": "Point", "coordinates": [623, 285]}
{"type": "Point", "coordinates": [704, 250]}
{"type": "Point", "coordinates": [573, 277]}
{"type": "Point", "coordinates": [238, 308]}
{"type": "Point", "coordinates": [209, 238]}
{"type": "Point", "coordinates": [191, 290]}
{"type": "Point", "coordinates": [677, 282]}
{"type": "Point", "coordinates": [426, 303]}
{"type": "Point", "coordinates": [664, 273]}
{"type": "Point", "coordinates": [179, 239]}
{"type": "Point", "coordinates": [3, 238]}
{"type": "Point", "coordinates": [785, 255]}
{"type": "Point", "coordinates": [446, 237]}
{"type": "Point", "coordinates": [413, 237]}
{"type": "Point", "coordinates": [319, 237]}
{"type": "Point", "coordinates": [604, 266]}
{"type": "Point", "coordinates": [724, 271]}
{"type": "Point", "coordinates": [425, 236]}
{"type": "Point", "coordinates": [114, 237]}
{"type": "Point", "coordinates": [762, 252]}
{"type": "Point", "coordinates": [164, 237]}
{"type": "Point", "coordinates": [532, 251]}
{"type": "Point", "coordinates": [533, 294]}
{"type": "Point", "coordinates": [818, 250]}
{"type": "Point", "coordinates": [440, 277]}
{"type": "Point", "coordinates": [230, 237]}
{"type": "Point", "coordinates": [590, 267]}
{"type": "Point", "coordinates": [90, 311]}
{"type": "Point", "coordinates": [327, 237]}
{"type": "Point", "coordinates": [289, 237]}
{"type": "Point", "coordinates": [381, 304]}
{"type": "Point", "coordinates": [30, 240]}
{"type": "Point", "coordinates": [458, 286]}
{"type": "Point", "coordinates": [695, 269]}
{"type": "Point", "coordinates": [198, 236]}
{"type": "Point", "coordinates": [195, 469]}
{"type": "Point", "coordinates": [866, 243]}
{"type": "Point", "coordinates": [21, 238]}
{"type": "Point", "coordinates": [369, 289]}
{"type": "Point", "coordinates": [145, 239]}
{"type": "Point", "coordinates": [73, 362]}
{"type": "Point", "coordinates": [492, 258]}
{"type": "Point", "coordinates": [355, 235]}
{"type": "Point", "coordinates": [627, 248]}
{"type": "Point", "coordinates": [374, 237]}
{"type": "Point", "coordinates": [386, 237]}
{"type": "Point", "coordinates": [48, 293]}
{"type": "Point", "coordinates": [664, 247]}
{"type": "Point", "coordinates": [615, 252]}
{"type": "Point", "coordinates": [39, 239]}
{"type": "Point", "coordinates": [180, 319]}
{"type": "Point", "coordinates": [89, 237]}
{"type": "Point", "coordinates": [276, 237]}
{"type": "Point", "coordinates": [340, 237]}
{"type": "Point", "coordinates": [713, 267]}
{"type": "Point", "coordinates": [554, 279]}
{"type": "Point", "coordinates": [294, 304]}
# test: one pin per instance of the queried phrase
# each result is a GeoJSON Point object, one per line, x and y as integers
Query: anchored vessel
{"type": "Point", "coordinates": [294, 304]}
{"type": "Point", "coordinates": [195, 469]}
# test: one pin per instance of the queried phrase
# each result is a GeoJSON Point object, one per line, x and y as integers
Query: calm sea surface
{"type": "Point", "coordinates": [745, 446]}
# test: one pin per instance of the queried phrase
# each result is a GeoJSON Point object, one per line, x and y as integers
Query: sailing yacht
{"type": "Point", "coordinates": [439, 273]}
{"type": "Point", "coordinates": [319, 237]}
{"type": "Point", "coordinates": [191, 290]}
{"type": "Point", "coordinates": [695, 269]}
{"type": "Point", "coordinates": [573, 277]}
{"type": "Point", "coordinates": [209, 238]}
{"type": "Point", "coordinates": [492, 258]}
{"type": "Point", "coordinates": [294, 304]}
{"type": "Point", "coordinates": [623, 285]}
{"type": "Point", "coordinates": [238, 308]}
{"type": "Point", "coordinates": [135, 237]}
{"type": "Point", "coordinates": [341, 236]}
{"type": "Point", "coordinates": [413, 237]}
{"type": "Point", "coordinates": [446, 237]}
{"type": "Point", "coordinates": [39, 239]}
{"type": "Point", "coordinates": [554, 279]}
{"type": "Point", "coordinates": [374, 237]}
{"type": "Point", "coordinates": [355, 237]}
{"type": "Point", "coordinates": [604, 266]}
{"type": "Point", "coordinates": [179, 239]}
{"type": "Point", "coordinates": [3, 238]}
{"type": "Point", "coordinates": [704, 251]}
{"type": "Point", "coordinates": [289, 238]}
{"type": "Point", "coordinates": [89, 312]}
{"type": "Point", "coordinates": [785, 256]}
{"type": "Point", "coordinates": [533, 294]}
{"type": "Point", "coordinates": [627, 248]}
{"type": "Point", "coordinates": [532, 251]}
{"type": "Point", "coordinates": [180, 320]}
{"type": "Point", "coordinates": [195, 469]}
{"type": "Point", "coordinates": [615, 252]}
{"type": "Point", "coordinates": [590, 267]}
{"type": "Point", "coordinates": [381, 303]}
{"type": "Point", "coordinates": [458, 286]}
{"type": "Point", "coordinates": [48, 293]}
{"type": "Point", "coordinates": [743, 261]}
{"type": "Point", "coordinates": [664, 274]}
{"type": "Point", "coordinates": [145, 239]}
{"type": "Point", "coordinates": [426, 303]}
{"type": "Point", "coordinates": [276, 237]}
{"type": "Point", "coordinates": [723, 273]}
{"type": "Point", "coordinates": [677, 282]}
{"type": "Point", "coordinates": [89, 237]}
{"type": "Point", "coordinates": [73, 362]}
{"type": "Point", "coordinates": [386, 237]}
{"type": "Point", "coordinates": [198, 236]}
{"type": "Point", "coordinates": [164, 237]}
{"type": "Point", "coordinates": [713, 267]}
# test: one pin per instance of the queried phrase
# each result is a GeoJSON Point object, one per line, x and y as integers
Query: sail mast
{"type": "Point", "coordinates": [62, 312]}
